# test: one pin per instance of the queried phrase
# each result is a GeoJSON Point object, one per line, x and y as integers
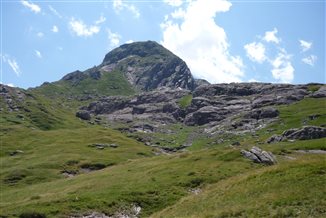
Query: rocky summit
{"type": "Point", "coordinates": [139, 136]}
{"type": "Point", "coordinates": [148, 66]}
{"type": "Point", "coordinates": [128, 69]}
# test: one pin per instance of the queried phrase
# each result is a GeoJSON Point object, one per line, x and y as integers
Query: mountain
{"type": "Point", "coordinates": [138, 136]}
{"type": "Point", "coordinates": [128, 69]}
{"type": "Point", "coordinates": [148, 66]}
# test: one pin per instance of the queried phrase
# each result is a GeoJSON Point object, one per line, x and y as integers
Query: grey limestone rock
{"type": "Point", "coordinates": [262, 113]}
{"type": "Point", "coordinates": [83, 114]}
{"type": "Point", "coordinates": [304, 133]}
{"type": "Point", "coordinates": [205, 115]}
{"type": "Point", "coordinates": [257, 155]}
{"type": "Point", "coordinates": [320, 93]}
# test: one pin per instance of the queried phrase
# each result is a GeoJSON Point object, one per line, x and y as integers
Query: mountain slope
{"type": "Point", "coordinates": [131, 68]}
{"type": "Point", "coordinates": [148, 65]}
{"type": "Point", "coordinates": [146, 143]}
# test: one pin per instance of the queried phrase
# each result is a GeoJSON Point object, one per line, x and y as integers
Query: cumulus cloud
{"type": "Point", "coordinates": [102, 19]}
{"type": "Point", "coordinates": [119, 5]}
{"type": "Point", "coordinates": [33, 7]}
{"type": "Point", "coordinates": [40, 34]}
{"type": "Point", "coordinates": [174, 3]}
{"type": "Point", "coordinates": [10, 85]}
{"type": "Point", "coordinates": [310, 60]}
{"type": "Point", "coordinates": [253, 80]}
{"type": "Point", "coordinates": [55, 12]}
{"type": "Point", "coordinates": [283, 70]}
{"type": "Point", "coordinates": [129, 41]}
{"type": "Point", "coordinates": [55, 29]}
{"type": "Point", "coordinates": [114, 38]}
{"type": "Point", "coordinates": [270, 36]}
{"type": "Point", "coordinates": [256, 52]}
{"type": "Point", "coordinates": [201, 42]}
{"type": "Point", "coordinates": [81, 29]}
{"type": "Point", "coordinates": [38, 54]}
{"type": "Point", "coordinates": [12, 63]}
{"type": "Point", "coordinates": [305, 46]}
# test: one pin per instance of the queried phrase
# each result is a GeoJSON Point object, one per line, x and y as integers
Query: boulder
{"type": "Point", "coordinates": [257, 155]}
{"type": "Point", "coordinates": [306, 133]}
{"type": "Point", "coordinates": [83, 114]}
{"type": "Point", "coordinates": [274, 139]}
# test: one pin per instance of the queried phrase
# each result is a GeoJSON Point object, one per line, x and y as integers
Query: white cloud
{"type": "Point", "coordinates": [178, 14]}
{"type": "Point", "coordinates": [114, 38]}
{"type": "Point", "coordinates": [80, 29]}
{"type": "Point", "coordinates": [33, 7]}
{"type": "Point", "coordinates": [55, 12]}
{"type": "Point", "coordinates": [256, 52]}
{"type": "Point", "coordinates": [283, 70]}
{"type": "Point", "coordinates": [10, 85]}
{"type": "Point", "coordinates": [102, 19]}
{"type": "Point", "coordinates": [40, 34]}
{"type": "Point", "coordinates": [129, 41]}
{"type": "Point", "coordinates": [38, 54]}
{"type": "Point", "coordinates": [12, 63]}
{"type": "Point", "coordinates": [270, 36]}
{"type": "Point", "coordinates": [310, 60]}
{"type": "Point", "coordinates": [305, 46]}
{"type": "Point", "coordinates": [119, 5]}
{"type": "Point", "coordinates": [201, 42]}
{"type": "Point", "coordinates": [253, 81]}
{"type": "Point", "coordinates": [174, 3]}
{"type": "Point", "coordinates": [55, 29]}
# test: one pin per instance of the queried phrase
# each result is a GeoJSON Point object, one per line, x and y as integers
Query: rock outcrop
{"type": "Point", "coordinates": [304, 133]}
{"type": "Point", "coordinates": [83, 114]}
{"type": "Point", "coordinates": [257, 155]}
{"type": "Point", "coordinates": [320, 93]}
{"type": "Point", "coordinates": [148, 66]}
{"type": "Point", "coordinates": [212, 105]}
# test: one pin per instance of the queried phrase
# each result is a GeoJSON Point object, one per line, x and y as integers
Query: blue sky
{"type": "Point", "coordinates": [221, 41]}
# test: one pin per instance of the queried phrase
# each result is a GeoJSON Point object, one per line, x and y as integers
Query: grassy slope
{"type": "Point", "coordinates": [110, 83]}
{"type": "Point", "coordinates": [289, 189]}
{"type": "Point", "coordinates": [157, 182]}
{"type": "Point", "coordinates": [293, 188]}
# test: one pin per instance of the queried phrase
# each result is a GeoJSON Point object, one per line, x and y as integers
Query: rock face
{"type": "Point", "coordinates": [321, 93]}
{"type": "Point", "coordinates": [205, 115]}
{"type": "Point", "coordinates": [159, 106]}
{"type": "Point", "coordinates": [305, 133]}
{"type": "Point", "coordinates": [213, 105]}
{"type": "Point", "coordinates": [257, 155]}
{"type": "Point", "coordinates": [262, 113]}
{"type": "Point", "coordinates": [148, 66]}
{"type": "Point", "coordinates": [11, 98]}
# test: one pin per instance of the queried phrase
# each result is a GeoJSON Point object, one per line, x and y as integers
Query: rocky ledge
{"type": "Point", "coordinates": [304, 133]}
{"type": "Point", "coordinates": [210, 105]}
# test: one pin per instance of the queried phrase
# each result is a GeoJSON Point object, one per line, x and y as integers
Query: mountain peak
{"type": "Point", "coordinates": [141, 49]}
{"type": "Point", "coordinates": [128, 69]}
{"type": "Point", "coordinates": [148, 65]}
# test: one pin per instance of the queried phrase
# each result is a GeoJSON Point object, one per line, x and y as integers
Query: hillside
{"type": "Point", "coordinates": [129, 69]}
{"type": "Point", "coordinates": [137, 136]}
